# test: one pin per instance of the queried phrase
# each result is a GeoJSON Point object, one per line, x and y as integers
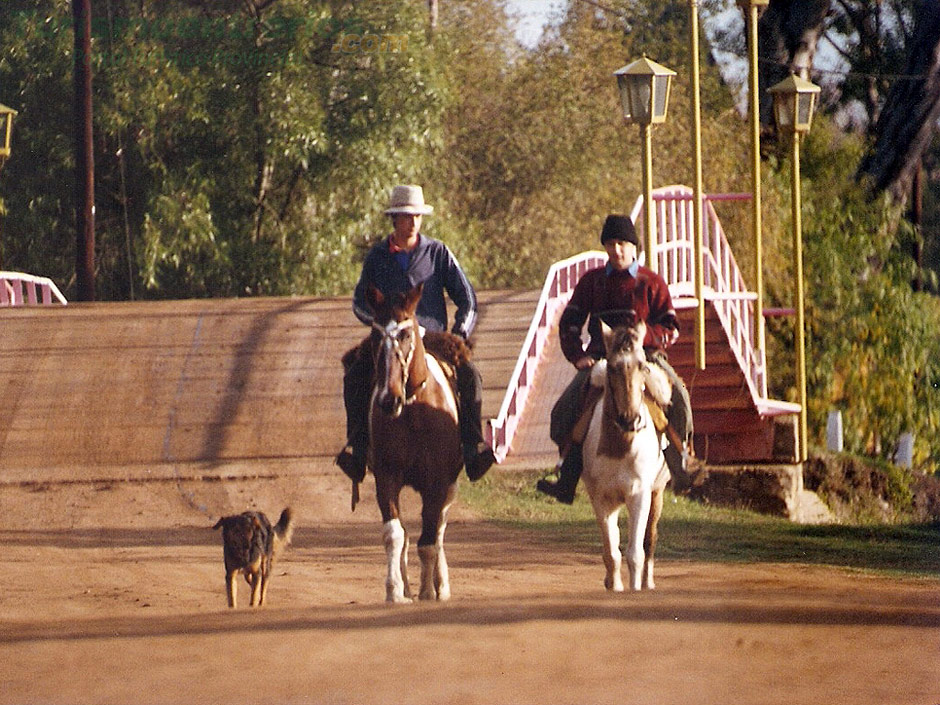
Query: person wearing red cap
{"type": "Point", "coordinates": [621, 290]}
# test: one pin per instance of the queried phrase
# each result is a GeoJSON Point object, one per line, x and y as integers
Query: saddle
{"type": "Point", "coordinates": [450, 350]}
{"type": "Point", "coordinates": [589, 400]}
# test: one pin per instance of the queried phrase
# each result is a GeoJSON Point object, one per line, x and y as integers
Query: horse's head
{"type": "Point", "coordinates": [396, 343]}
{"type": "Point", "coordinates": [627, 370]}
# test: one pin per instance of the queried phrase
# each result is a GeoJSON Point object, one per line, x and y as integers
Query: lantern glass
{"type": "Point", "coordinates": [635, 98]}
{"type": "Point", "coordinates": [660, 97]}
{"type": "Point", "coordinates": [783, 111]}
{"type": "Point", "coordinates": [805, 102]}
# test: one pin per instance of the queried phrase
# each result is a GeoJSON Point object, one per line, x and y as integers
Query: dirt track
{"type": "Point", "coordinates": [113, 593]}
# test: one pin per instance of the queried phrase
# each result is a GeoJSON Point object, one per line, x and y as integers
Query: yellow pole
{"type": "Point", "coordinates": [646, 133]}
{"type": "Point", "coordinates": [697, 189]}
{"type": "Point", "coordinates": [755, 177]}
{"type": "Point", "coordinates": [800, 341]}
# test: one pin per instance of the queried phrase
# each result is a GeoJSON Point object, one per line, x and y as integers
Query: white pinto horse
{"type": "Point", "coordinates": [623, 458]}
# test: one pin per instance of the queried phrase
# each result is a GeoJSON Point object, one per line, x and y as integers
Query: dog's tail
{"type": "Point", "coordinates": [284, 529]}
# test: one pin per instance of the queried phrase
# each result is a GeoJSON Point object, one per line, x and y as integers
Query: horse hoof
{"type": "Point", "coordinates": [398, 600]}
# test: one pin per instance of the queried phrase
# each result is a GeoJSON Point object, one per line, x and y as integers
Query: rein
{"type": "Point", "coordinates": [389, 333]}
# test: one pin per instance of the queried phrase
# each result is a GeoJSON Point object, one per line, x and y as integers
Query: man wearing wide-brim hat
{"type": "Point", "coordinates": [398, 263]}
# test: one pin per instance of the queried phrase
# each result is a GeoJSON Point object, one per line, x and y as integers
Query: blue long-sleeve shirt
{"type": "Point", "coordinates": [432, 263]}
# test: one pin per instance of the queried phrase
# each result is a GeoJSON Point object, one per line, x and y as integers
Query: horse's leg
{"type": "Point", "coordinates": [395, 539]}
{"type": "Point", "coordinates": [649, 542]}
{"type": "Point", "coordinates": [435, 579]}
{"type": "Point", "coordinates": [639, 505]}
{"type": "Point", "coordinates": [608, 521]}
{"type": "Point", "coordinates": [404, 567]}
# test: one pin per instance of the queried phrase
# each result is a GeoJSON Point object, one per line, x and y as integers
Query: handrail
{"type": "Point", "coordinates": [724, 283]}
{"type": "Point", "coordinates": [20, 289]}
{"type": "Point", "coordinates": [559, 284]}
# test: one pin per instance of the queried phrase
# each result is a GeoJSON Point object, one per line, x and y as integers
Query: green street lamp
{"type": "Point", "coordinates": [644, 96]}
{"type": "Point", "coordinates": [6, 130]}
{"type": "Point", "coordinates": [794, 104]}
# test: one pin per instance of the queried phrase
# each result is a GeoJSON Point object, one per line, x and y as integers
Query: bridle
{"type": "Point", "coordinates": [638, 421]}
{"type": "Point", "coordinates": [391, 334]}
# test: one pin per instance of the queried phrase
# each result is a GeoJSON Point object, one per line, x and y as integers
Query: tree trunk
{"type": "Point", "coordinates": [788, 32]}
{"type": "Point", "coordinates": [908, 119]}
{"type": "Point", "coordinates": [84, 155]}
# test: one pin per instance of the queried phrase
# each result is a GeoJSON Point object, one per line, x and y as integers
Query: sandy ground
{"type": "Point", "coordinates": [113, 593]}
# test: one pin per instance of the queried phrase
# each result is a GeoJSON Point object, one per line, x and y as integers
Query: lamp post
{"type": "Point", "coordinates": [644, 96]}
{"type": "Point", "coordinates": [6, 133]}
{"type": "Point", "coordinates": [751, 9]}
{"type": "Point", "coordinates": [794, 104]}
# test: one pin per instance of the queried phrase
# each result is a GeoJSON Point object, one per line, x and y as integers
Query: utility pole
{"type": "Point", "coordinates": [84, 155]}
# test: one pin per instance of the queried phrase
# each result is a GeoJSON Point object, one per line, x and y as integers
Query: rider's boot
{"type": "Point", "coordinates": [568, 475]}
{"type": "Point", "coordinates": [352, 458]}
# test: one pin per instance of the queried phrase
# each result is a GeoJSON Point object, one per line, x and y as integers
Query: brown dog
{"type": "Point", "coordinates": [250, 546]}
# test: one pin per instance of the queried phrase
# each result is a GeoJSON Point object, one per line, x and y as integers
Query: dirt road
{"type": "Point", "coordinates": [113, 593]}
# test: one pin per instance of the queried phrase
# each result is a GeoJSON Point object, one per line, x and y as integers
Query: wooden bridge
{"type": "Point", "coordinates": [164, 389]}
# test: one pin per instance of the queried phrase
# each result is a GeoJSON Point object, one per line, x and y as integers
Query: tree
{"type": "Point", "coordinates": [908, 121]}
{"type": "Point", "coordinates": [241, 147]}
{"type": "Point", "coordinates": [788, 33]}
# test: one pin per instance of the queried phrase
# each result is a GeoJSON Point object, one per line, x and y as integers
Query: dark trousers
{"type": "Point", "coordinates": [357, 391]}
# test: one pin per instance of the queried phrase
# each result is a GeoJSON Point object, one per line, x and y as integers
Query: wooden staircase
{"type": "Point", "coordinates": [729, 428]}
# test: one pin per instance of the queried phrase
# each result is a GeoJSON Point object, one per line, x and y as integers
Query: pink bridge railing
{"type": "Point", "coordinates": [18, 289]}
{"type": "Point", "coordinates": [560, 282]}
{"type": "Point", "coordinates": [675, 246]}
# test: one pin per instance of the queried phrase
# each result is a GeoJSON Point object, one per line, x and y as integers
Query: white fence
{"type": "Point", "coordinates": [18, 289]}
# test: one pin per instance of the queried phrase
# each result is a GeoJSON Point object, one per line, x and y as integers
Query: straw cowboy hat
{"type": "Point", "coordinates": [408, 199]}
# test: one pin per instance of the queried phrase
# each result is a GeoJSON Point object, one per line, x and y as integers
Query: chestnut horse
{"type": "Point", "coordinates": [414, 441]}
{"type": "Point", "coordinates": [623, 458]}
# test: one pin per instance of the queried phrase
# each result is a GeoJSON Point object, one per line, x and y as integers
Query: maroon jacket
{"type": "Point", "coordinates": [607, 294]}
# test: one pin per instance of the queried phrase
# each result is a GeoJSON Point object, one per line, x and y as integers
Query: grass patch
{"type": "Point", "coordinates": [692, 531]}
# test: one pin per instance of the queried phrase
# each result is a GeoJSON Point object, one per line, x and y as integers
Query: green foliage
{"type": "Point", "coordinates": [694, 531]}
{"type": "Point", "coordinates": [235, 153]}
{"type": "Point", "coordinates": [871, 340]}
